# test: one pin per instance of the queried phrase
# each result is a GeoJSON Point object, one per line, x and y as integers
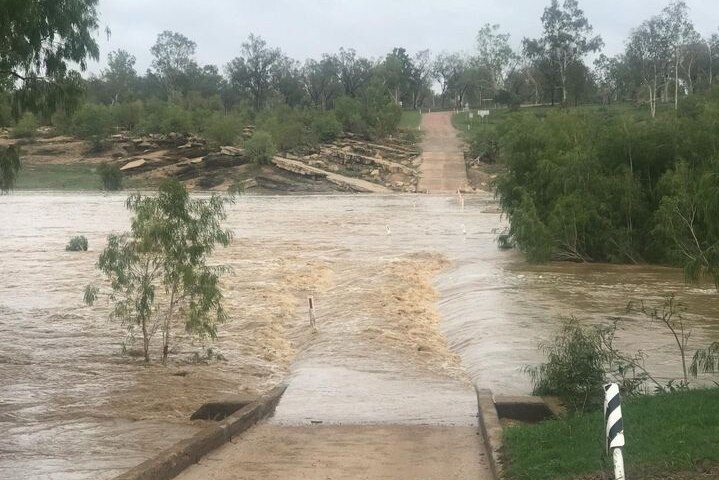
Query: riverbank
{"type": "Point", "coordinates": [670, 436]}
{"type": "Point", "coordinates": [348, 164]}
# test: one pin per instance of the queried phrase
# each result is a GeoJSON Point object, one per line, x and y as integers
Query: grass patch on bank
{"type": "Point", "coordinates": [410, 120]}
{"type": "Point", "coordinates": [665, 434]}
{"type": "Point", "coordinates": [58, 177]}
{"type": "Point", "coordinates": [80, 177]}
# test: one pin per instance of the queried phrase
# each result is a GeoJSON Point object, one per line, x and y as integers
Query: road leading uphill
{"type": "Point", "coordinates": [443, 169]}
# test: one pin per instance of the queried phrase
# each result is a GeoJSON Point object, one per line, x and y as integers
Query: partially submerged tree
{"type": "Point", "coordinates": [158, 272]}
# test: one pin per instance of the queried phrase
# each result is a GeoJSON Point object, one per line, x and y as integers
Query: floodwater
{"type": "Point", "coordinates": [412, 298]}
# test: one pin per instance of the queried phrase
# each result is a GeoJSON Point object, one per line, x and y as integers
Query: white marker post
{"type": "Point", "coordinates": [311, 305]}
{"type": "Point", "coordinates": [615, 427]}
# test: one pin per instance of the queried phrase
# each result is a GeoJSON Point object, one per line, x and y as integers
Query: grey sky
{"type": "Point", "coordinates": [308, 28]}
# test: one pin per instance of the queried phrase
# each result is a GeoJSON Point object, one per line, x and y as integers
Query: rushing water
{"type": "Point", "coordinates": [73, 407]}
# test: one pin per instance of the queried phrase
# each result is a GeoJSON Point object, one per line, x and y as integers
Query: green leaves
{"type": "Point", "coordinates": [38, 39]}
{"type": "Point", "coordinates": [158, 272]}
{"type": "Point", "coordinates": [9, 167]}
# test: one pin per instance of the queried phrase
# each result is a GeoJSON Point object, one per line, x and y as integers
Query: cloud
{"type": "Point", "coordinates": [307, 28]}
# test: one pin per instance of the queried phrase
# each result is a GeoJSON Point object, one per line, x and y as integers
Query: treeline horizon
{"type": "Point", "coordinates": [664, 59]}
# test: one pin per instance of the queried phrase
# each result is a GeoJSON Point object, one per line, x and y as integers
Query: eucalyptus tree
{"type": "Point", "coordinates": [158, 272]}
{"type": "Point", "coordinates": [679, 33]}
{"type": "Point", "coordinates": [567, 38]}
{"type": "Point", "coordinates": [648, 53]}
{"type": "Point", "coordinates": [355, 72]}
{"type": "Point", "coordinates": [396, 72]}
{"type": "Point", "coordinates": [322, 81]}
{"type": "Point", "coordinates": [252, 73]}
{"type": "Point", "coordinates": [173, 59]}
{"type": "Point", "coordinates": [447, 70]}
{"type": "Point", "coordinates": [495, 54]}
{"type": "Point", "coordinates": [40, 42]}
{"type": "Point", "coordinates": [288, 81]}
{"type": "Point", "coordinates": [120, 74]}
{"type": "Point", "coordinates": [420, 78]}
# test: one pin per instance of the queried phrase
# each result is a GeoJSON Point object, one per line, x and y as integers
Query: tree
{"type": "Point", "coordinates": [420, 76]}
{"type": "Point", "coordinates": [495, 53]}
{"type": "Point", "coordinates": [120, 75]}
{"type": "Point", "coordinates": [647, 54]}
{"type": "Point", "coordinates": [39, 40]}
{"type": "Point", "coordinates": [355, 72]}
{"type": "Point", "coordinates": [252, 72]}
{"type": "Point", "coordinates": [679, 33]}
{"type": "Point", "coordinates": [447, 70]}
{"type": "Point", "coordinates": [567, 38]}
{"type": "Point", "coordinates": [158, 272]}
{"type": "Point", "coordinates": [173, 54]}
{"type": "Point", "coordinates": [396, 71]}
{"type": "Point", "coordinates": [322, 81]}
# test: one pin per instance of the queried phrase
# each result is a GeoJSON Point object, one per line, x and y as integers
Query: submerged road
{"type": "Point", "coordinates": [356, 411]}
{"type": "Point", "coordinates": [443, 169]}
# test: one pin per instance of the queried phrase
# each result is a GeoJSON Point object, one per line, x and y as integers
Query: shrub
{"type": "Point", "coordinates": [92, 122]}
{"type": "Point", "coordinates": [111, 177]}
{"type": "Point", "coordinates": [175, 119]}
{"type": "Point", "coordinates": [26, 127]}
{"type": "Point", "coordinates": [348, 112]}
{"type": "Point", "coordinates": [77, 244]}
{"type": "Point", "coordinates": [129, 115]}
{"type": "Point", "coordinates": [574, 370]}
{"type": "Point", "coordinates": [223, 129]}
{"type": "Point", "coordinates": [326, 126]}
{"type": "Point", "coordinates": [260, 148]}
{"type": "Point", "coordinates": [9, 167]}
{"type": "Point", "coordinates": [236, 188]}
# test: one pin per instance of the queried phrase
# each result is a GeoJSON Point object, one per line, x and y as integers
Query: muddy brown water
{"type": "Point", "coordinates": [427, 304]}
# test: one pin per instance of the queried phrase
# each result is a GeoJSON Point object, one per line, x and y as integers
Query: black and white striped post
{"type": "Point", "coordinates": [615, 427]}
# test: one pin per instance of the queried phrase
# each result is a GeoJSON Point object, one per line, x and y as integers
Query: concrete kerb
{"type": "Point", "coordinates": [491, 430]}
{"type": "Point", "coordinates": [173, 461]}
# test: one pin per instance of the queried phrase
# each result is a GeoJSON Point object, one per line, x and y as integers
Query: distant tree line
{"type": "Point", "coordinates": [665, 58]}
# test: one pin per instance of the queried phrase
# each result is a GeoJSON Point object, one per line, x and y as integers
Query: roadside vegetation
{"type": "Point", "coordinates": [669, 436]}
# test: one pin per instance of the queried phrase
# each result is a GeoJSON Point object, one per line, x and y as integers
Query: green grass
{"type": "Point", "coordinates": [461, 120]}
{"type": "Point", "coordinates": [81, 177]}
{"type": "Point", "coordinates": [58, 177]}
{"type": "Point", "coordinates": [410, 120]}
{"type": "Point", "coordinates": [664, 434]}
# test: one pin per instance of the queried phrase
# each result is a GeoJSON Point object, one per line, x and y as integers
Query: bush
{"type": "Point", "coordinates": [260, 148]}
{"type": "Point", "coordinates": [129, 115]}
{"type": "Point", "coordinates": [223, 129]}
{"type": "Point", "coordinates": [26, 127]}
{"type": "Point", "coordinates": [111, 177]}
{"type": "Point", "coordinates": [92, 122]}
{"type": "Point", "coordinates": [348, 112]}
{"type": "Point", "coordinates": [175, 119]}
{"type": "Point", "coordinates": [325, 126]}
{"type": "Point", "coordinates": [77, 244]}
{"type": "Point", "coordinates": [574, 370]}
{"type": "Point", "coordinates": [9, 167]}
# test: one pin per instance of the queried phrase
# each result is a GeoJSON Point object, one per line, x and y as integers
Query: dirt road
{"type": "Point", "coordinates": [443, 169]}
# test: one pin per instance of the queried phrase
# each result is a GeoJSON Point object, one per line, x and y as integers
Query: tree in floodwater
{"type": "Point", "coordinates": [158, 272]}
{"type": "Point", "coordinates": [687, 218]}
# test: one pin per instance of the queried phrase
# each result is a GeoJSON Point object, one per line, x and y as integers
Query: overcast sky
{"type": "Point", "coordinates": [308, 28]}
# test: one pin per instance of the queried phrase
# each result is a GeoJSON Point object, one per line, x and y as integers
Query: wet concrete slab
{"type": "Point", "coordinates": [347, 452]}
{"type": "Point", "coordinates": [376, 393]}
